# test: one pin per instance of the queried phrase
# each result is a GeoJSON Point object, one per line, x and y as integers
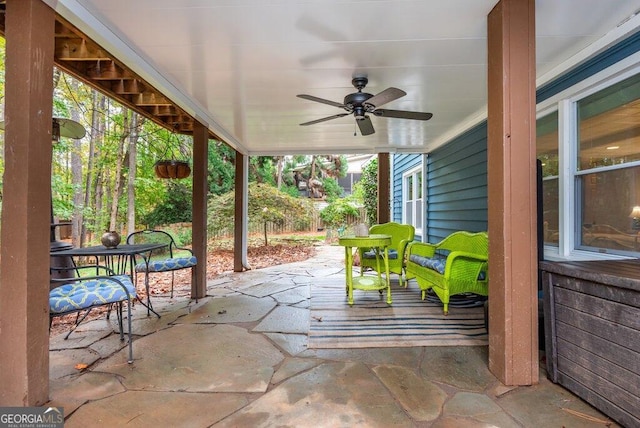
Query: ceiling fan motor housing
{"type": "Point", "coordinates": [356, 100]}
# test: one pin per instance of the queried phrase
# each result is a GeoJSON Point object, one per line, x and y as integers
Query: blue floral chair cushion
{"type": "Point", "coordinates": [166, 265]}
{"type": "Point", "coordinates": [86, 294]}
{"type": "Point", "coordinates": [371, 254]}
{"type": "Point", "coordinates": [437, 262]}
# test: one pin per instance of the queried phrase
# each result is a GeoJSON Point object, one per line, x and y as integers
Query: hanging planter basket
{"type": "Point", "coordinates": [172, 169]}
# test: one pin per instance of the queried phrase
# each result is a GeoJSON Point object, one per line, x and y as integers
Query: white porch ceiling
{"type": "Point", "coordinates": [237, 65]}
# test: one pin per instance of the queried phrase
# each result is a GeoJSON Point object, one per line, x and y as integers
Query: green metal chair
{"type": "Point", "coordinates": [401, 235]}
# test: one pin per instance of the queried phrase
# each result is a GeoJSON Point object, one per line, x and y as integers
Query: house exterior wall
{"type": "Point", "coordinates": [456, 173]}
{"type": "Point", "coordinates": [401, 163]}
{"type": "Point", "coordinates": [457, 185]}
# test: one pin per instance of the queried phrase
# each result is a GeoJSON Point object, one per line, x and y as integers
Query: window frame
{"type": "Point", "coordinates": [413, 172]}
{"type": "Point", "coordinates": [566, 103]}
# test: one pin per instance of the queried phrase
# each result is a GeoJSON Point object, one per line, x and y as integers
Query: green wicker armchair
{"type": "Point", "coordinates": [457, 264]}
{"type": "Point", "coordinates": [401, 236]}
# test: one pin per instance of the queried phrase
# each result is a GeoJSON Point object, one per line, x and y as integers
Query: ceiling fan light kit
{"type": "Point", "coordinates": [362, 104]}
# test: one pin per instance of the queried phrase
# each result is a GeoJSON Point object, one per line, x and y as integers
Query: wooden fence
{"type": "Point", "coordinates": [314, 224]}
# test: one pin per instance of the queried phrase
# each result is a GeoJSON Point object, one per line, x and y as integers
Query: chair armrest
{"type": "Point", "coordinates": [423, 249]}
{"type": "Point", "coordinates": [107, 271]}
{"type": "Point", "coordinates": [184, 249]}
{"type": "Point", "coordinates": [464, 265]}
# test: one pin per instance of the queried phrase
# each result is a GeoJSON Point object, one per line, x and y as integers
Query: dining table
{"type": "Point", "coordinates": [120, 259]}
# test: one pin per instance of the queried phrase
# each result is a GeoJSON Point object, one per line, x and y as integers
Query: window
{"type": "Point", "coordinates": [547, 153]}
{"type": "Point", "coordinates": [608, 168]}
{"type": "Point", "coordinates": [589, 147]}
{"type": "Point", "coordinates": [412, 212]}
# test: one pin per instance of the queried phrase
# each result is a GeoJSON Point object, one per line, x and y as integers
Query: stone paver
{"type": "Point", "coordinates": [230, 310]}
{"type": "Point", "coordinates": [285, 319]}
{"type": "Point", "coordinates": [330, 395]}
{"type": "Point", "coordinates": [187, 357]}
{"type": "Point", "coordinates": [463, 367]}
{"type": "Point", "coordinates": [547, 404]}
{"type": "Point", "coordinates": [157, 409]}
{"type": "Point", "coordinates": [82, 337]}
{"type": "Point", "coordinates": [292, 296]}
{"type": "Point", "coordinates": [422, 399]}
{"type": "Point", "coordinates": [63, 362]}
{"type": "Point", "coordinates": [407, 357]}
{"type": "Point", "coordinates": [269, 288]}
{"type": "Point", "coordinates": [87, 387]}
{"type": "Point", "coordinates": [293, 344]}
{"type": "Point", "coordinates": [293, 366]}
{"type": "Point", "coordinates": [239, 358]}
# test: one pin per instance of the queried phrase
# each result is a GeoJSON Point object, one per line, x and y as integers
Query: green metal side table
{"type": "Point", "coordinates": [367, 283]}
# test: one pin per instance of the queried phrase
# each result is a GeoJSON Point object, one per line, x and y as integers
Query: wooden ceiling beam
{"type": "Point", "coordinates": [80, 57]}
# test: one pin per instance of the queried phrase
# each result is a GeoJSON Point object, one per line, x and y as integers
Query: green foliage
{"type": "Point", "coordinates": [266, 204]}
{"type": "Point", "coordinates": [174, 209]}
{"type": "Point", "coordinates": [369, 183]}
{"type": "Point", "coordinates": [290, 190]}
{"type": "Point", "coordinates": [221, 168]}
{"type": "Point", "coordinates": [309, 168]}
{"type": "Point", "coordinates": [62, 205]}
{"type": "Point", "coordinates": [262, 170]}
{"type": "Point", "coordinates": [332, 189]}
{"type": "Point", "coordinates": [184, 238]}
{"type": "Point", "coordinates": [335, 214]}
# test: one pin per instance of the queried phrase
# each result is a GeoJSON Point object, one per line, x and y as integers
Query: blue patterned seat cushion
{"type": "Point", "coordinates": [166, 265]}
{"type": "Point", "coordinates": [85, 294]}
{"type": "Point", "coordinates": [371, 254]}
{"type": "Point", "coordinates": [437, 262]}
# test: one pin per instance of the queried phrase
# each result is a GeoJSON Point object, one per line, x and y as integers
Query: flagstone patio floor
{"type": "Point", "coordinates": [239, 358]}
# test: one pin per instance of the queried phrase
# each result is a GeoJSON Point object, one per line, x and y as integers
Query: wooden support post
{"type": "Point", "coordinates": [199, 218]}
{"type": "Point", "coordinates": [24, 275]}
{"type": "Point", "coordinates": [384, 188]}
{"type": "Point", "coordinates": [240, 221]}
{"type": "Point", "coordinates": [513, 303]}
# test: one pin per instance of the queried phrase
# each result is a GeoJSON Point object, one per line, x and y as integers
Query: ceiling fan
{"type": "Point", "coordinates": [362, 104]}
{"type": "Point", "coordinates": [61, 127]}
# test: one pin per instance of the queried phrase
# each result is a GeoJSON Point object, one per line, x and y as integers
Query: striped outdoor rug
{"type": "Point", "coordinates": [371, 323]}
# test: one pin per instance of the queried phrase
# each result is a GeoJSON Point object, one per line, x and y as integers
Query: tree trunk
{"type": "Point", "coordinates": [98, 105]}
{"type": "Point", "coordinates": [76, 178]}
{"type": "Point", "coordinates": [266, 241]}
{"type": "Point", "coordinates": [131, 195]}
{"type": "Point", "coordinates": [280, 167]}
{"type": "Point", "coordinates": [118, 179]}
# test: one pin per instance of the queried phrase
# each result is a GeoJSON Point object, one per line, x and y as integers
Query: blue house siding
{"type": "Point", "coordinates": [401, 164]}
{"type": "Point", "coordinates": [456, 197]}
{"type": "Point", "coordinates": [457, 185]}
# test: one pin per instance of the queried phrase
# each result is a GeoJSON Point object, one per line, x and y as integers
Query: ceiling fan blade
{"type": "Point", "coordinates": [69, 128]}
{"type": "Point", "coordinates": [365, 125]}
{"type": "Point", "coordinates": [65, 128]}
{"type": "Point", "coordinates": [324, 119]}
{"type": "Point", "coordinates": [385, 96]}
{"type": "Point", "coordinates": [401, 114]}
{"type": "Point", "coordinates": [320, 100]}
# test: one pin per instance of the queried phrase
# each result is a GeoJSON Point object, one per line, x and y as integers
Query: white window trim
{"type": "Point", "coordinates": [566, 104]}
{"type": "Point", "coordinates": [405, 175]}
